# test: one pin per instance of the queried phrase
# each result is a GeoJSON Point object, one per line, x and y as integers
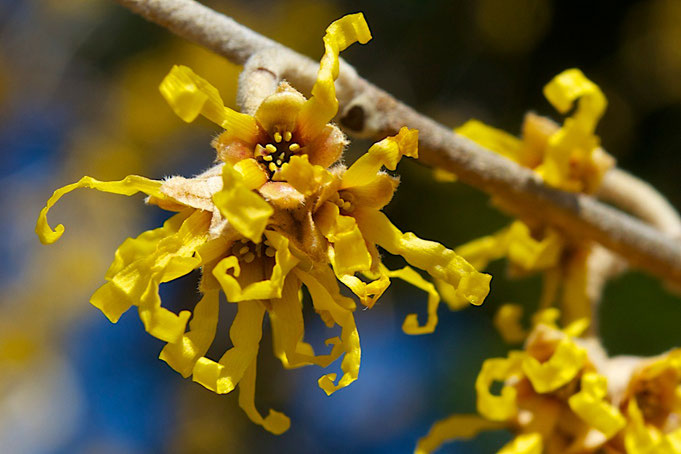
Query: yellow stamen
{"type": "Point", "coordinates": [248, 258]}
{"type": "Point", "coordinates": [287, 136]}
{"type": "Point", "coordinates": [294, 147]}
{"type": "Point", "coordinates": [277, 137]}
{"type": "Point", "coordinates": [243, 250]}
{"type": "Point", "coordinates": [270, 252]}
{"type": "Point", "coordinates": [267, 158]}
{"type": "Point", "coordinates": [271, 148]}
{"type": "Point", "coordinates": [273, 167]}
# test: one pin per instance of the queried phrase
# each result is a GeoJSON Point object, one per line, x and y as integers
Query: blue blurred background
{"type": "Point", "coordinates": [78, 96]}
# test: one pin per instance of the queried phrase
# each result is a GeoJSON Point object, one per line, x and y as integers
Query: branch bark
{"type": "Point", "coordinates": [368, 111]}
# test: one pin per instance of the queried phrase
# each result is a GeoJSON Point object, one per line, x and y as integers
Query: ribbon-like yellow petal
{"type": "Point", "coordinates": [190, 95]}
{"type": "Point", "coordinates": [411, 323]}
{"type": "Point", "coordinates": [245, 210]}
{"type": "Point", "coordinates": [455, 427]}
{"type": "Point", "coordinates": [367, 292]}
{"type": "Point", "coordinates": [387, 152]}
{"type": "Point", "coordinates": [252, 174]}
{"type": "Point", "coordinates": [376, 194]}
{"type": "Point", "coordinates": [576, 303]}
{"type": "Point", "coordinates": [266, 289]}
{"type": "Point", "coordinates": [502, 407]}
{"type": "Point", "coordinates": [132, 184]}
{"type": "Point", "coordinates": [532, 254]}
{"type": "Point", "coordinates": [549, 317]}
{"type": "Point", "coordinates": [182, 355]}
{"type": "Point", "coordinates": [326, 300]}
{"type": "Point", "coordinates": [437, 260]}
{"type": "Point", "coordinates": [589, 404]}
{"type": "Point", "coordinates": [275, 422]}
{"type": "Point", "coordinates": [570, 161]}
{"type": "Point", "coordinates": [577, 327]}
{"type": "Point", "coordinates": [491, 138]}
{"type": "Point", "coordinates": [563, 366]}
{"type": "Point", "coordinates": [323, 105]}
{"type": "Point", "coordinates": [246, 331]}
{"type": "Point", "coordinates": [307, 178]}
{"type": "Point", "coordinates": [640, 438]}
{"type": "Point", "coordinates": [551, 281]}
{"type": "Point", "coordinates": [524, 444]}
{"type": "Point", "coordinates": [481, 251]}
{"type": "Point", "coordinates": [175, 257]}
{"type": "Point", "coordinates": [144, 244]}
{"type": "Point", "coordinates": [507, 322]}
{"type": "Point", "coordinates": [455, 301]}
{"type": "Point", "coordinates": [350, 252]}
{"type": "Point", "coordinates": [113, 302]}
{"type": "Point", "coordinates": [137, 283]}
{"type": "Point", "coordinates": [572, 85]}
{"type": "Point", "coordinates": [288, 330]}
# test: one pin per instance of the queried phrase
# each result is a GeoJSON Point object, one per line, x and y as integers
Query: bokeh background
{"type": "Point", "coordinates": [78, 95]}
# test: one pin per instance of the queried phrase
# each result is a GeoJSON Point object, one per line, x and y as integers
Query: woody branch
{"type": "Point", "coordinates": [368, 111]}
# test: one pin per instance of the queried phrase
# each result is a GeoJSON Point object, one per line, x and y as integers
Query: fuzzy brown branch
{"type": "Point", "coordinates": [368, 111]}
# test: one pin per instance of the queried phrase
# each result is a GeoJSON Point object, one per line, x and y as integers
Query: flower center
{"type": "Point", "coordinates": [277, 153]}
{"type": "Point", "coordinates": [345, 201]}
{"type": "Point", "coordinates": [247, 251]}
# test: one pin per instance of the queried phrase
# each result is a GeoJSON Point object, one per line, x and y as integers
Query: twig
{"type": "Point", "coordinates": [373, 112]}
{"type": "Point", "coordinates": [639, 198]}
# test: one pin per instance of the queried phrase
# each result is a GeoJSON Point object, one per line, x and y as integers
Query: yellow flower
{"type": "Point", "coordinates": [652, 405]}
{"type": "Point", "coordinates": [241, 243]}
{"type": "Point", "coordinates": [346, 207]}
{"type": "Point", "coordinates": [285, 124]}
{"type": "Point", "coordinates": [259, 236]}
{"type": "Point", "coordinates": [567, 157]}
{"type": "Point", "coordinates": [552, 397]}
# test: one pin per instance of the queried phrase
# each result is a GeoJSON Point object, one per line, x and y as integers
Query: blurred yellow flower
{"type": "Point", "coordinates": [567, 157]}
{"type": "Point", "coordinates": [652, 404]}
{"type": "Point", "coordinates": [261, 228]}
{"type": "Point", "coordinates": [552, 397]}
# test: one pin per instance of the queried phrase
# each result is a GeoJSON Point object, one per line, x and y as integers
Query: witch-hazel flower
{"type": "Point", "coordinates": [567, 157]}
{"type": "Point", "coordinates": [241, 242]}
{"type": "Point", "coordinates": [258, 234]}
{"type": "Point", "coordinates": [650, 399]}
{"type": "Point", "coordinates": [553, 397]}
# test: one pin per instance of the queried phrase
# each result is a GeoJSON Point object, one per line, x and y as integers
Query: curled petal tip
{"type": "Point", "coordinates": [47, 235]}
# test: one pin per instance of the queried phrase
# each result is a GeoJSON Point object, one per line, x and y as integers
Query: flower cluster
{"type": "Point", "coordinates": [562, 394]}
{"type": "Point", "coordinates": [278, 211]}
{"type": "Point", "coordinates": [567, 157]}
{"type": "Point", "coordinates": [552, 397]}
